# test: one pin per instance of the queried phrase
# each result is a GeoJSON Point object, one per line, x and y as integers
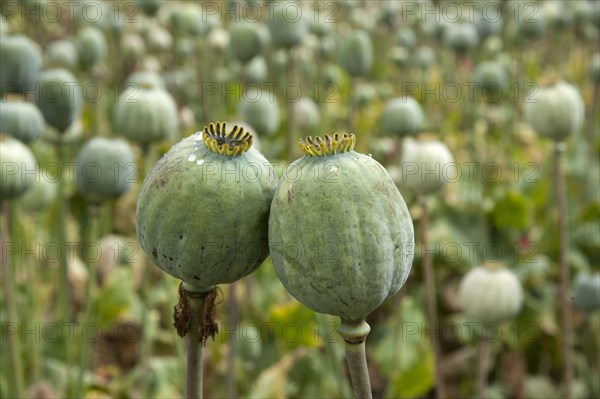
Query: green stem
{"type": "Point", "coordinates": [90, 316]}
{"type": "Point", "coordinates": [193, 380]}
{"type": "Point", "coordinates": [233, 320]}
{"type": "Point", "coordinates": [482, 367]}
{"type": "Point", "coordinates": [292, 144]}
{"type": "Point", "coordinates": [563, 240]}
{"type": "Point", "coordinates": [8, 283]}
{"type": "Point", "coordinates": [146, 286]}
{"type": "Point", "coordinates": [431, 299]}
{"type": "Point", "coordinates": [64, 291]}
{"type": "Point", "coordinates": [355, 335]}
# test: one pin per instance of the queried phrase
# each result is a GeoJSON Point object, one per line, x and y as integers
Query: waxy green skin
{"type": "Point", "coordinates": [587, 291]}
{"type": "Point", "coordinates": [105, 169]}
{"type": "Point", "coordinates": [59, 98]}
{"type": "Point", "coordinates": [22, 120]}
{"type": "Point", "coordinates": [206, 223]}
{"type": "Point", "coordinates": [17, 168]}
{"type": "Point", "coordinates": [340, 234]}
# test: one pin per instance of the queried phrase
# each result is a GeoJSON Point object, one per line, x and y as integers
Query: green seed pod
{"type": "Point", "coordinates": [402, 117]}
{"type": "Point", "coordinates": [91, 46]}
{"type": "Point", "coordinates": [41, 194]}
{"type": "Point", "coordinates": [159, 39]}
{"type": "Point", "coordinates": [557, 14]}
{"type": "Point", "coordinates": [400, 56]}
{"type": "Point", "coordinates": [261, 110]}
{"type": "Point", "coordinates": [62, 54]}
{"type": "Point", "coordinates": [149, 7]}
{"type": "Point", "coordinates": [555, 111]}
{"type": "Point", "coordinates": [425, 165]}
{"type": "Point", "coordinates": [357, 53]}
{"type": "Point", "coordinates": [425, 57]}
{"type": "Point", "coordinates": [245, 41]}
{"type": "Point", "coordinates": [132, 47]}
{"type": "Point", "coordinates": [365, 94]}
{"type": "Point", "coordinates": [17, 167]}
{"type": "Point", "coordinates": [145, 114]}
{"type": "Point", "coordinates": [287, 23]}
{"type": "Point", "coordinates": [491, 293]}
{"type": "Point", "coordinates": [487, 23]}
{"type": "Point", "coordinates": [20, 64]}
{"type": "Point", "coordinates": [188, 19]}
{"type": "Point", "coordinates": [594, 69]}
{"type": "Point", "coordinates": [527, 25]}
{"type": "Point", "coordinates": [492, 79]}
{"type": "Point", "coordinates": [340, 234]}
{"type": "Point", "coordinates": [221, 235]}
{"type": "Point", "coordinates": [256, 70]}
{"type": "Point", "coordinates": [461, 37]}
{"type": "Point", "coordinates": [105, 169]}
{"type": "Point", "coordinates": [59, 98]}
{"type": "Point", "coordinates": [145, 79]}
{"type": "Point", "coordinates": [587, 291]}
{"type": "Point", "coordinates": [20, 119]}
{"type": "Point", "coordinates": [406, 38]}
{"type": "Point", "coordinates": [307, 115]}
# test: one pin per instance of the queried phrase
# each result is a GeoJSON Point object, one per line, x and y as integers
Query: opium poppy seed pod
{"type": "Point", "coordinates": [18, 167]}
{"type": "Point", "coordinates": [145, 114]}
{"type": "Point", "coordinates": [401, 117]}
{"type": "Point", "coordinates": [346, 204]}
{"type": "Point", "coordinates": [218, 232]}
{"type": "Point", "coordinates": [20, 64]}
{"type": "Point", "coordinates": [91, 46]}
{"type": "Point", "coordinates": [555, 110]}
{"type": "Point", "coordinates": [491, 293]}
{"type": "Point", "coordinates": [260, 109]}
{"type": "Point", "coordinates": [59, 98]}
{"type": "Point", "coordinates": [20, 119]}
{"type": "Point", "coordinates": [587, 291]}
{"type": "Point", "coordinates": [357, 53]}
{"type": "Point", "coordinates": [105, 169]}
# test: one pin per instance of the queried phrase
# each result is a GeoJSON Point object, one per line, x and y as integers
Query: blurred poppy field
{"type": "Point", "coordinates": [484, 113]}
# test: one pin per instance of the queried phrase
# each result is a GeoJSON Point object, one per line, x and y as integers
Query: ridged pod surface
{"type": "Point", "coordinates": [425, 165]}
{"type": "Point", "coordinates": [587, 291]}
{"type": "Point", "coordinates": [402, 117]}
{"type": "Point", "coordinates": [17, 172]}
{"type": "Point", "coordinates": [59, 98]}
{"type": "Point", "coordinates": [260, 109]}
{"type": "Point", "coordinates": [145, 114]}
{"type": "Point", "coordinates": [357, 53]}
{"type": "Point", "coordinates": [340, 234]}
{"type": "Point", "coordinates": [203, 209]}
{"type": "Point", "coordinates": [287, 23]}
{"type": "Point", "coordinates": [105, 168]}
{"type": "Point", "coordinates": [555, 111]}
{"type": "Point", "coordinates": [22, 120]}
{"type": "Point", "coordinates": [91, 46]}
{"type": "Point", "coordinates": [20, 64]}
{"type": "Point", "coordinates": [490, 293]}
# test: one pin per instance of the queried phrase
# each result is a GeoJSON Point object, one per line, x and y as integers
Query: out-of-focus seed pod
{"type": "Point", "coordinates": [491, 293]}
{"type": "Point", "coordinates": [555, 110]}
{"type": "Point", "coordinates": [145, 114]}
{"type": "Point", "coordinates": [261, 110]}
{"type": "Point", "coordinates": [105, 169]}
{"type": "Point", "coordinates": [20, 64]}
{"type": "Point", "coordinates": [357, 53]}
{"type": "Point", "coordinates": [402, 117]}
{"type": "Point", "coordinates": [18, 167]}
{"type": "Point", "coordinates": [59, 98]}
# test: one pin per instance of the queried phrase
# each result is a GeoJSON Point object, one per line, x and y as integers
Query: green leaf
{"type": "Point", "coordinates": [414, 381]}
{"type": "Point", "coordinates": [272, 381]}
